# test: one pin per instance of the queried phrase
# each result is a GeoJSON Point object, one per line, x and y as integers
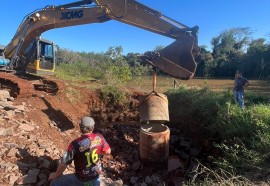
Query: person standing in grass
{"type": "Point", "coordinates": [238, 91]}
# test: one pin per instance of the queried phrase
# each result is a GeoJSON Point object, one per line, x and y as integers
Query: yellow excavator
{"type": "Point", "coordinates": [28, 52]}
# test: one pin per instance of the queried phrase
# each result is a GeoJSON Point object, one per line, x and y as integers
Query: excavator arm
{"type": "Point", "coordinates": [176, 59]}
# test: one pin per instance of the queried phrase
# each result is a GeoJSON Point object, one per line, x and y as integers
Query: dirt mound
{"type": "Point", "coordinates": [39, 133]}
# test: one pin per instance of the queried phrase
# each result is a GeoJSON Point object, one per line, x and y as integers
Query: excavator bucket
{"type": "Point", "coordinates": [177, 59]}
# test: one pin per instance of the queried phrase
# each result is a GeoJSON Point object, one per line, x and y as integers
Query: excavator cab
{"type": "Point", "coordinates": [41, 57]}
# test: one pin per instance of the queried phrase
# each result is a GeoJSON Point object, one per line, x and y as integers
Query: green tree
{"type": "Point", "coordinates": [114, 52]}
{"type": "Point", "coordinates": [68, 56]}
{"type": "Point", "coordinates": [118, 70]}
{"type": "Point", "coordinates": [158, 48]}
{"type": "Point", "coordinates": [257, 62]}
{"type": "Point", "coordinates": [205, 63]}
{"type": "Point", "coordinates": [137, 67]}
{"type": "Point", "coordinates": [228, 50]}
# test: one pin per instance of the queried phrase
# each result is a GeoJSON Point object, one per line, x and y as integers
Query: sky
{"type": "Point", "coordinates": [212, 17]}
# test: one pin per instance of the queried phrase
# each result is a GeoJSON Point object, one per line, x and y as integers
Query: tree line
{"type": "Point", "coordinates": [233, 49]}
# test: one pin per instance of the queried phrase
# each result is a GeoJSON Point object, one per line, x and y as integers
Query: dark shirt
{"type": "Point", "coordinates": [239, 83]}
{"type": "Point", "coordinates": [86, 151]}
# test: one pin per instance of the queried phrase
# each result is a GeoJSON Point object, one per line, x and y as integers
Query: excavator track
{"type": "Point", "coordinates": [27, 85]}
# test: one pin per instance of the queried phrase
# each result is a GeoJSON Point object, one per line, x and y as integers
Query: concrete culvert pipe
{"type": "Point", "coordinates": [154, 108]}
{"type": "Point", "coordinates": [154, 145]}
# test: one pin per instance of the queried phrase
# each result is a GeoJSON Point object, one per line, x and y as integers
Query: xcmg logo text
{"type": "Point", "coordinates": [72, 15]}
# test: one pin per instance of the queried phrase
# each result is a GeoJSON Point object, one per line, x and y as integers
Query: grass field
{"type": "Point", "coordinates": [165, 83]}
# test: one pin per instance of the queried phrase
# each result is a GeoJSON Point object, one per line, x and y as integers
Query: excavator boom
{"type": "Point", "coordinates": [176, 59]}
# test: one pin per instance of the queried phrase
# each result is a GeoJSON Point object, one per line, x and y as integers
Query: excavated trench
{"type": "Point", "coordinates": [147, 150]}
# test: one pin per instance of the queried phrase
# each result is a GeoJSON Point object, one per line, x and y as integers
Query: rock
{"type": "Point", "coordinates": [42, 182]}
{"type": "Point", "coordinates": [10, 145]}
{"type": "Point", "coordinates": [26, 127]}
{"type": "Point", "coordinates": [143, 184]}
{"type": "Point", "coordinates": [133, 179]}
{"type": "Point", "coordinates": [174, 139]}
{"type": "Point", "coordinates": [184, 143]}
{"type": "Point", "coordinates": [20, 108]}
{"type": "Point", "coordinates": [40, 152]}
{"type": "Point", "coordinates": [44, 146]}
{"type": "Point", "coordinates": [12, 179]}
{"type": "Point", "coordinates": [26, 165]}
{"type": "Point", "coordinates": [43, 175]}
{"type": "Point", "coordinates": [21, 153]}
{"type": "Point", "coordinates": [174, 163]}
{"type": "Point", "coordinates": [138, 184]}
{"type": "Point", "coordinates": [181, 154]}
{"type": "Point", "coordinates": [9, 113]}
{"type": "Point", "coordinates": [136, 165]}
{"type": "Point", "coordinates": [8, 166]}
{"type": "Point", "coordinates": [156, 179]}
{"type": "Point", "coordinates": [3, 150]}
{"type": "Point", "coordinates": [105, 181]}
{"type": "Point", "coordinates": [135, 155]}
{"type": "Point", "coordinates": [31, 177]}
{"type": "Point", "coordinates": [10, 98]}
{"type": "Point", "coordinates": [4, 94]}
{"type": "Point", "coordinates": [45, 163]}
{"type": "Point", "coordinates": [194, 151]}
{"type": "Point", "coordinates": [116, 183]}
{"type": "Point", "coordinates": [148, 180]}
{"type": "Point", "coordinates": [161, 184]}
{"type": "Point", "coordinates": [32, 137]}
{"type": "Point", "coordinates": [6, 131]}
{"type": "Point", "coordinates": [12, 152]}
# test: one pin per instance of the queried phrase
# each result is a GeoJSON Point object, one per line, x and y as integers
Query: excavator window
{"type": "Point", "coordinates": [46, 50]}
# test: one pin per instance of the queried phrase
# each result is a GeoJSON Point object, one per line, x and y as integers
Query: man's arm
{"type": "Point", "coordinates": [59, 172]}
{"type": "Point", "coordinates": [107, 151]}
{"type": "Point", "coordinates": [66, 160]}
{"type": "Point", "coordinates": [247, 84]}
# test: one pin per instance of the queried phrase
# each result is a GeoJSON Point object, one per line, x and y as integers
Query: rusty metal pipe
{"type": "Point", "coordinates": [154, 108]}
{"type": "Point", "coordinates": [154, 145]}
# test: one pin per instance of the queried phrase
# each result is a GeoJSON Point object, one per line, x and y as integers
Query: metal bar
{"type": "Point", "coordinates": [74, 4]}
{"type": "Point", "coordinates": [154, 79]}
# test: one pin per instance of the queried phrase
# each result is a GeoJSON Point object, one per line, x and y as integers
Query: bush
{"type": "Point", "coordinates": [114, 96]}
{"type": "Point", "coordinates": [116, 75]}
{"type": "Point", "coordinates": [78, 71]}
{"type": "Point", "coordinates": [234, 140]}
{"type": "Point", "coordinates": [110, 73]}
{"type": "Point", "coordinates": [252, 98]}
{"type": "Point", "coordinates": [195, 108]}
